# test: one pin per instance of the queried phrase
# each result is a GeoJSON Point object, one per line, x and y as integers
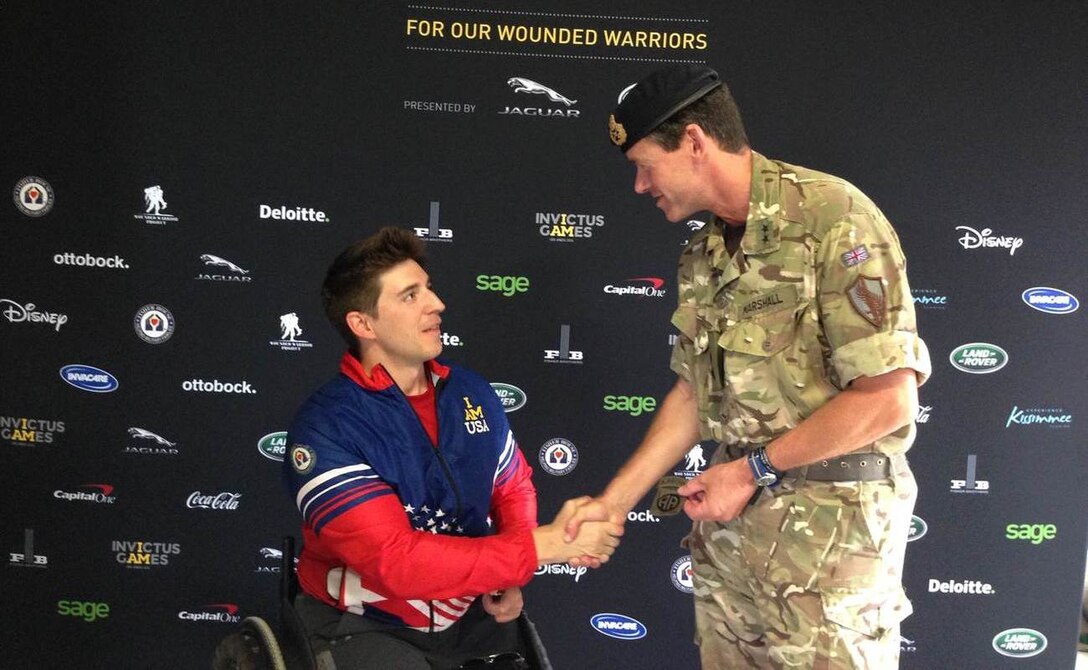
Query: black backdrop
{"type": "Point", "coordinates": [963, 121]}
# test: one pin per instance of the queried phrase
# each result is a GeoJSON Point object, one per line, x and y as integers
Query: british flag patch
{"type": "Point", "coordinates": [858, 254]}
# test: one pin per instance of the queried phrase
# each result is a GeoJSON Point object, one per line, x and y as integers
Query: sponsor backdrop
{"type": "Point", "coordinates": [179, 180]}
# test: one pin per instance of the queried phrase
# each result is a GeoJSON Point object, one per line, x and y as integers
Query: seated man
{"type": "Point", "coordinates": [419, 515]}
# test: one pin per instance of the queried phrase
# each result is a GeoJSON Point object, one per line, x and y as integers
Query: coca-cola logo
{"type": "Point", "coordinates": [224, 501]}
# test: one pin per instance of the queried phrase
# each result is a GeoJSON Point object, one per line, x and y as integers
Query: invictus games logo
{"type": "Point", "coordinates": [918, 529]}
{"type": "Point", "coordinates": [155, 206]}
{"type": "Point", "coordinates": [433, 232]}
{"type": "Point", "coordinates": [558, 456]}
{"type": "Point", "coordinates": [144, 555]}
{"type": "Point", "coordinates": [561, 106]}
{"type": "Point", "coordinates": [681, 574]}
{"type": "Point", "coordinates": [511, 397]}
{"type": "Point", "coordinates": [1019, 643]}
{"type": "Point", "coordinates": [235, 273]}
{"type": "Point", "coordinates": [99, 494]}
{"type": "Point", "coordinates": [29, 313]}
{"type": "Point", "coordinates": [1052, 417]}
{"type": "Point", "coordinates": [978, 358]}
{"type": "Point", "coordinates": [475, 422]}
{"type": "Point", "coordinates": [970, 483]}
{"type": "Point", "coordinates": [24, 431]}
{"type": "Point", "coordinates": [1050, 300]}
{"type": "Point", "coordinates": [289, 334]}
{"type": "Point", "coordinates": [273, 445]}
{"type": "Point", "coordinates": [154, 324]}
{"type": "Point", "coordinates": [567, 227]}
{"type": "Point", "coordinates": [33, 196]}
{"type": "Point", "coordinates": [149, 443]}
{"type": "Point", "coordinates": [564, 354]}
{"type": "Point", "coordinates": [975, 239]}
{"type": "Point", "coordinates": [27, 558]}
{"type": "Point", "coordinates": [929, 298]}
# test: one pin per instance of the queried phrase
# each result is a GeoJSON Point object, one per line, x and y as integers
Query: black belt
{"type": "Point", "coordinates": [848, 468]}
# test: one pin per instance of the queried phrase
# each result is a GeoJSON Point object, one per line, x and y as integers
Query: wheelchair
{"type": "Point", "coordinates": [259, 646]}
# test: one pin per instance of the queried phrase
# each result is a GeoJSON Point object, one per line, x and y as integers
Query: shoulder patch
{"type": "Point", "coordinates": [855, 256]}
{"type": "Point", "coordinates": [303, 458]}
{"type": "Point", "coordinates": [866, 296]}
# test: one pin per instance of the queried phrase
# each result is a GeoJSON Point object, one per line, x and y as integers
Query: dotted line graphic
{"type": "Point", "coordinates": [557, 15]}
{"type": "Point", "coordinates": [541, 55]}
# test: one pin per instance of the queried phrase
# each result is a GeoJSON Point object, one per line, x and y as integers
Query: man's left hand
{"type": "Point", "coordinates": [506, 606]}
{"type": "Point", "coordinates": [719, 494]}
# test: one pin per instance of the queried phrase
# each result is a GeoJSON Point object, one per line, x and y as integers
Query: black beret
{"type": "Point", "coordinates": [649, 103]}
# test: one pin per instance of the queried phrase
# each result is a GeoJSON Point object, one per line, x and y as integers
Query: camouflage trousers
{"type": "Point", "coordinates": [810, 576]}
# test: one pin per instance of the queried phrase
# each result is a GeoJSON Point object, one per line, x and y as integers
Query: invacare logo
{"type": "Point", "coordinates": [619, 626]}
{"type": "Point", "coordinates": [1050, 300]}
{"type": "Point", "coordinates": [216, 386]}
{"type": "Point", "coordinates": [87, 378]}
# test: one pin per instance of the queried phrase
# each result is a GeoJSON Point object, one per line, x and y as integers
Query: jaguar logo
{"type": "Point", "coordinates": [522, 85]}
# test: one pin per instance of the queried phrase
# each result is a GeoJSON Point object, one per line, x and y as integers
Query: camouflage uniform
{"type": "Point", "coordinates": [810, 575]}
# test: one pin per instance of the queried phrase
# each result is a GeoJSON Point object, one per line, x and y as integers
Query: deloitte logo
{"type": "Point", "coordinates": [978, 358]}
{"type": "Point", "coordinates": [33, 196]}
{"type": "Point", "coordinates": [154, 324]}
{"type": "Point", "coordinates": [918, 529]}
{"type": "Point", "coordinates": [273, 445]}
{"type": "Point", "coordinates": [292, 214]}
{"type": "Point", "coordinates": [1019, 643]}
{"type": "Point", "coordinates": [681, 574]}
{"type": "Point", "coordinates": [558, 456]}
{"type": "Point", "coordinates": [511, 397]}
{"type": "Point", "coordinates": [1050, 300]}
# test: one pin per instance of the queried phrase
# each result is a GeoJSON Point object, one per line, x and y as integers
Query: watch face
{"type": "Point", "coordinates": [766, 479]}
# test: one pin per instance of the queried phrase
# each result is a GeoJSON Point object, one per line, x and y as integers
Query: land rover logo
{"type": "Point", "coordinates": [978, 358]}
{"type": "Point", "coordinates": [918, 528]}
{"type": "Point", "coordinates": [1019, 642]}
{"type": "Point", "coordinates": [511, 397]}
{"type": "Point", "coordinates": [273, 445]}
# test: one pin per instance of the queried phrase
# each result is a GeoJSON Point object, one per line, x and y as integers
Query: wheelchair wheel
{"type": "Point", "coordinates": [254, 648]}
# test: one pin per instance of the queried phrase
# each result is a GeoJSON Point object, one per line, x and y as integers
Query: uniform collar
{"type": "Point", "coordinates": [378, 379]}
{"type": "Point", "coordinates": [762, 231]}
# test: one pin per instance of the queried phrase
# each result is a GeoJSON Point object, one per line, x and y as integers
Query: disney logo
{"type": "Point", "coordinates": [973, 239]}
{"type": "Point", "coordinates": [16, 313]}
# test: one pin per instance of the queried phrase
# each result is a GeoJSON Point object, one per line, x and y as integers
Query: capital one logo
{"type": "Point", "coordinates": [971, 484]}
{"type": "Point", "coordinates": [564, 354]}
{"type": "Point", "coordinates": [434, 233]}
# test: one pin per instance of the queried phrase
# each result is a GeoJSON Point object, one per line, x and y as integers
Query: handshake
{"type": "Point", "coordinates": [584, 533]}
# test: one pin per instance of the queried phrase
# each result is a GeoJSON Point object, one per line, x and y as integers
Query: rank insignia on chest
{"type": "Point", "coordinates": [866, 296]}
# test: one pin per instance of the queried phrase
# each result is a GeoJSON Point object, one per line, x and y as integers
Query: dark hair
{"type": "Point", "coordinates": [716, 113]}
{"type": "Point", "coordinates": [352, 282]}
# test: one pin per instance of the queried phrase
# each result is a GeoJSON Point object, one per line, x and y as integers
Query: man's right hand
{"type": "Point", "coordinates": [589, 510]}
{"type": "Point", "coordinates": [594, 537]}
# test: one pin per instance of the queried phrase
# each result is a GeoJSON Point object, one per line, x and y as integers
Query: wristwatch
{"type": "Point", "coordinates": [762, 471]}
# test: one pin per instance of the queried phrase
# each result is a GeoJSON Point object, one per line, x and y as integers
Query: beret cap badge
{"type": "Point", "coordinates": [616, 131]}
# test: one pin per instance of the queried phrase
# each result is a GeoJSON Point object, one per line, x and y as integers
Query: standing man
{"type": "Point", "coordinates": [798, 354]}
{"type": "Point", "coordinates": [419, 515]}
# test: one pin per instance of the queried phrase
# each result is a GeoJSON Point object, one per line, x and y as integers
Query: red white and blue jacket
{"type": "Point", "coordinates": [395, 529]}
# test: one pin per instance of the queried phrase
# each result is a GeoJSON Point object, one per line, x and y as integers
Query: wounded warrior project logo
{"type": "Point", "coordinates": [557, 104]}
{"type": "Point", "coordinates": [33, 196]}
{"type": "Point", "coordinates": [155, 204]}
{"type": "Point", "coordinates": [289, 334]}
{"type": "Point", "coordinates": [24, 431]}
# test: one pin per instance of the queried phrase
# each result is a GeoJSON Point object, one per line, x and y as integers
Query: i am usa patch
{"type": "Point", "coordinates": [866, 296]}
{"type": "Point", "coordinates": [855, 256]}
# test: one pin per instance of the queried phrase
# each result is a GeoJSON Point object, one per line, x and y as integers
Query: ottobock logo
{"type": "Point", "coordinates": [619, 626]}
{"type": "Point", "coordinates": [83, 609]}
{"type": "Point", "coordinates": [1053, 417]}
{"type": "Point", "coordinates": [154, 324]}
{"type": "Point", "coordinates": [929, 298]}
{"type": "Point", "coordinates": [155, 208]}
{"type": "Point", "coordinates": [631, 404]}
{"type": "Point", "coordinates": [1050, 300]}
{"type": "Point", "coordinates": [84, 260]}
{"type": "Point", "coordinates": [283, 213]}
{"type": "Point", "coordinates": [144, 554]}
{"type": "Point", "coordinates": [28, 313]}
{"type": "Point", "coordinates": [558, 456]}
{"type": "Point", "coordinates": [561, 107]}
{"type": "Point", "coordinates": [681, 574]}
{"type": "Point", "coordinates": [647, 287]}
{"type": "Point", "coordinates": [217, 613]}
{"type": "Point", "coordinates": [236, 272]}
{"type": "Point", "coordinates": [564, 354]}
{"type": "Point", "coordinates": [970, 484]}
{"type": "Point", "coordinates": [434, 232]}
{"type": "Point", "coordinates": [99, 494]}
{"type": "Point", "coordinates": [978, 358]}
{"type": "Point", "coordinates": [88, 378]}
{"type": "Point", "coordinates": [273, 445]}
{"type": "Point", "coordinates": [645, 516]}
{"type": "Point", "coordinates": [1036, 533]}
{"type": "Point", "coordinates": [508, 285]}
{"type": "Point", "coordinates": [511, 397]}
{"type": "Point", "coordinates": [961, 587]}
{"type": "Point", "coordinates": [289, 334]}
{"type": "Point", "coordinates": [27, 558]}
{"type": "Point", "coordinates": [143, 441]}
{"type": "Point", "coordinates": [216, 386]}
{"type": "Point", "coordinates": [918, 529]}
{"type": "Point", "coordinates": [33, 196]}
{"type": "Point", "coordinates": [974, 239]}
{"type": "Point", "coordinates": [1019, 643]}
{"type": "Point", "coordinates": [24, 431]}
{"type": "Point", "coordinates": [566, 226]}
{"type": "Point", "coordinates": [218, 501]}
{"type": "Point", "coordinates": [562, 569]}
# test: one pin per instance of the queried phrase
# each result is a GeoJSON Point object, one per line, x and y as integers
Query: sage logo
{"type": "Point", "coordinates": [273, 445]}
{"type": "Point", "coordinates": [1019, 643]}
{"type": "Point", "coordinates": [1050, 300]}
{"type": "Point", "coordinates": [681, 574]}
{"type": "Point", "coordinates": [974, 239]}
{"type": "Point", "coordinates": [632, 404]}
{"type": "Point", "coordinates": [918, 529]}
{"type": "Point", "coordinates": [83, 609]}
{"type": "Point", "coordinates": [1036, 533]}
{"type": "Point", "coordinates": [619, 626]}
{"type": "Point", "coordinates": [88, 378]}
{"type": "Point", "coordinates": [564, 354]}
{"type": "Point", "coordinates": [978, 358]}
{"type": "Point", "coordinates": [507, 285]}
{"type": "Point", "coordinates": [511, 397]}
{"type": "Point", "coordinates": [433, 233]}
{"type": "Point", "coordinates": [1053, 417]}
